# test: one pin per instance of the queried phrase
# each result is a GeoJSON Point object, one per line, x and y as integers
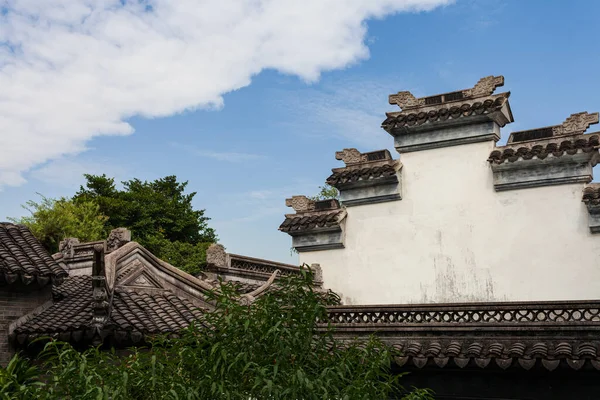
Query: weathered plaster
{"type": "Point", "coordinates": [549, 171]}
{"type": "Point", "coordinates": [431, 136]}
{"type": "Point", "coordinates": [325, 239]}
{"type": "Point", "coordinates": [379, 193]}
{"type": "Point", "coordinates": [454, 238]}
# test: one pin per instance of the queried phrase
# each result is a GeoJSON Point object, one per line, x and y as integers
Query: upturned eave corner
{"type": "Point", "coordinates": [553, 155]}
{"type": "Point", "coordinates": [316, 225]}
{"type": "Point", "coordinates": [367, 178]}
{"type": "Point", "coordinates": [449, 119]}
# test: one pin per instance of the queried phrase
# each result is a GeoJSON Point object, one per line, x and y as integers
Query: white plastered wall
{"type": "Point", "coordinates": [453, 238]}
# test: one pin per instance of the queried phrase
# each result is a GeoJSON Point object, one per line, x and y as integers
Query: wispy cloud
{"type": "Point", "coordinates": [259, 204]}
{"type": "Point", "coordinates": [74, 70]}
{"type": "Point", "coordinates": [228, 156]}
{"type": "Point", "coordinates": [68, 172]}
{"type": "Point", "coordinates": [350, 109]}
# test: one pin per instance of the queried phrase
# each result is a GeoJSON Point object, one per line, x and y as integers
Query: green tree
{"type": "Point", "coordinates": [274, 348]}
{"type": "Point", "coordinates": [326, 192]}
{"type": "Point", "coordinates": [52, 220]}
{"type": "Point", "coordinates": [158, 208]}
{"type": "Point", "coordinates": [159, 214]}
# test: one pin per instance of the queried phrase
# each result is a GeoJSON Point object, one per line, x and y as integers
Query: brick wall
{"type": "Point", "coordinates": [15, 301]}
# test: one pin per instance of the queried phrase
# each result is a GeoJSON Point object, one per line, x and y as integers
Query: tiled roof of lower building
{"type": "Point", "coordinates": [132, 316]}
{"type": "Point", "coordinates": [480, 335]}
{"type": "Point", "coordinates": [23, 257]}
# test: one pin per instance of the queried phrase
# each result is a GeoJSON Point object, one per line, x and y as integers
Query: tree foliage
{"type": "Point", "coordinates": [159, 214]}
{"type": "Point", "coordinates": [326, 192]}
{"type": "Point", "coordinates": [271, 349]}
{"type": "Point", "coordinates": [52, 220]}
{"type": "Point", "coordinates": [150, 209]}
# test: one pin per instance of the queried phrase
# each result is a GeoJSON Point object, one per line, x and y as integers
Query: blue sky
{"type": "Point", "coordinates": [276, 135]}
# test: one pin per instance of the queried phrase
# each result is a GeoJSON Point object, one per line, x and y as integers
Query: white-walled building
{"type": "Point", "coordinates": [457, 218]}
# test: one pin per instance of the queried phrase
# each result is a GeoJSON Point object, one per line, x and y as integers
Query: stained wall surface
{"type": "Point", "coordinates": [453, 238]}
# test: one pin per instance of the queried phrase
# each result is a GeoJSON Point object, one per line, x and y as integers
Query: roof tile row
{"type": "Point", "coordinates": [342, 176]}
{"type": "Point", "coordinates": [22, 255]}
{"type": "Point", "coordinates": [303, 222]}
{"type": "Point", "coordinates": [541, 149]}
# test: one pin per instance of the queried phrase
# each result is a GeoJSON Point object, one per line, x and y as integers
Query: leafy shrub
{"type": "Point", "coordinates": [274, 348]}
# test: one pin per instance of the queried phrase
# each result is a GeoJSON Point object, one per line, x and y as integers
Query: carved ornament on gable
{"type": "Point", "coordinates": [300, 203]}
{"type": "Point", "coordinates": [350, 156]}
{"type": "Point", "coordinates": [576, 123]}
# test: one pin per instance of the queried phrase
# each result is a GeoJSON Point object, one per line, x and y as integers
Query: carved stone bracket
{"type": "Point", "coordinates": [485, 86]}
{"type": "Point", "coordinates": [405, 99]}
{"type": "Point", "coordinates": [575, 124]}
{"type": "Point", "coordinates": [66, 246]}
{"type": "Point", "coordinates": [300, 204]}
{"type": "Point", "coordinates": [216, 256]}
{"type": "Point", "coordinates": [350, 156]}
{"type": "Point", "coordinates": [318, 272]}
{"type": "Point", "coordinates": [117, 238]}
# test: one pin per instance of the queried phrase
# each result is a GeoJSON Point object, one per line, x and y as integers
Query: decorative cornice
{"type": "Point", "coordinates": [312, 215]}
{"type": "Point", "coordinates": [317, 225]}
{"type": "Point", "coordinates": [519, 333]}
{"type": "Point", "coordinates": [575, 124]}
{"type": "Point", "coordinates": [367, 178]}
{"type": "Point", "coordinates": [234, 265]}
{"type": "Point", "coordinates": [541, 149]}
{"type": "Point", "coordinates": [491, 108]}
{"type": "Point", "coordinates": [71, 251]}
{"type": "Point", "coordinates": [364, 175]}
{"type": "Point", "coordinates": [484, 87]}
{"type": "Point", "coordinates": [553, 161]}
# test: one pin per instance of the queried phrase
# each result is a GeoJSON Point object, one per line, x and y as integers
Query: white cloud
{"type": "Point", "coordinates": [72, 70]}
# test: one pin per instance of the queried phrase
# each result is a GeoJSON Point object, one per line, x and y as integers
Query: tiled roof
{"type": "Point", "coordinates": [132, 315]}
{"type": "Point", "coordinates": [397, 120]}
{"type": "Point", "coordinates": [342, 176]}
{"type": "Point", "coordinates": [22, 256]}
{"type": "Point", "coordinates": [303, 222]}
{"type": "Point", "coordinates": [541, 149]}
{"type": "Point", "coordinates": [591, 194]}
{"type": "Point", "coordinates": [498, 334]}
